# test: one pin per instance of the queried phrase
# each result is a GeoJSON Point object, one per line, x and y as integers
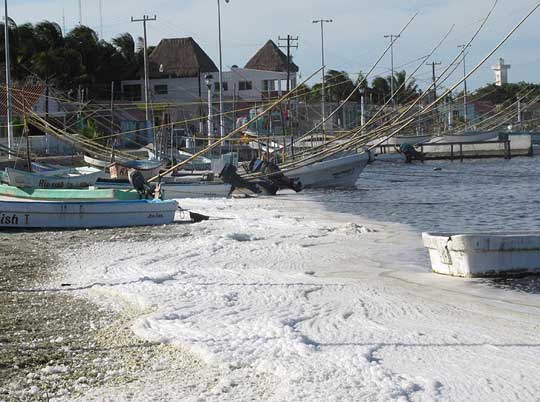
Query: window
{"type": "Point", "coordinates": [269, 85]}
{"type": "Point", "coordinates": [225, 86]}
{"type": "Point", "coordinates": [161, 89]}
{"type": "Point", "coordinates": [132, 92]}
{"type": "Point", "coordinates": [245, 86]}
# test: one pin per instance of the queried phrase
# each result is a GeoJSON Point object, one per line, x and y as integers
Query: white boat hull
{"type": "Point", "coordinates": [468, 137]}
{"type": "Point", "coordinates": [175, 191]}
{"type": "Point", "coordinates": [85, 215]}
{"type": "Point", "coordinates": [483, 254]}
{"type": "Point", "coordinates": [62, 179]}
{"type": "Point", "coordinates": [337, 172]}
{"type": "Point", "coordinates": [97, 163]}
{"type": "Point", "coordinates": [195, 190]}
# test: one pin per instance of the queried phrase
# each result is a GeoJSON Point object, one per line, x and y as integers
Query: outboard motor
{"type": "Point", "coordinates": [229, 175]}
{"type": "Point", "coordinates": [272, 171]}
{"type": "Point", "coordinates": [411, 153]}
{"type": "Point", "coordinates": [140, 184]}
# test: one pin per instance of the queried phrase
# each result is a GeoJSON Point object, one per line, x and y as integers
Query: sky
{"type": "Point", "coordinates": [354, 41]}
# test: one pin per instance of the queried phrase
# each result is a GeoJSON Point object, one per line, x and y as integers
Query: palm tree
{"type": "Point", "coordinates": [381, 89]}
{"type": "Point", "coordinates": [48, 36]}
{"type": "Point", "coordinates": [409, 88]}
{"type": "Point", "coordinates": [125, 45]}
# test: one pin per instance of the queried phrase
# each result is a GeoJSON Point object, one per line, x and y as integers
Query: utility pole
{"type": "Point", "coordinates": [290, 44]}
{"type": "Point", "coordinates": [434, 77]}
{"type": "Point", "coordinates": [8, 83]}
{"type": "Point", "coordinates": [144, 20]}
{"type": "Point", "coordinates": [323, 89]}
{"type": "Point", "coordinates": [80, 12]}
{"type": "Point", "coordinates": [464, 47]}
{"type": "Point", "coordinates": [393, 38]}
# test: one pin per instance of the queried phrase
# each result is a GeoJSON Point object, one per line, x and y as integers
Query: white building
{"type": "Point", "coordinates": [179, 69]}
{"type": "Point", "coordinates": [501, 73]}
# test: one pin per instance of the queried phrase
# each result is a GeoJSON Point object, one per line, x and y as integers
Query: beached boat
{"type": "Point", "coordinates": [199, 163]}
{"type": "Point", "coordinates": [173, 191]}
{"type": "Point", "coordinates": [97, 163]}
{"type": "Point", "coordinates": [483, 254]}
{"type": "Point", "coordinates": [85, 215]}
{"type": "Point", "coordinates": [148, 168]}
{"type": "Point", "coordinates": [12, 193]}
{"type": "Point", "coordinates": [338, 171]}
{"type": "Point", "coordinates": [55, 179]}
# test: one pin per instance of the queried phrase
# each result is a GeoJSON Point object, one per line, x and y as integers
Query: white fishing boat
{"type": "Point", "coordinates": [174, 191]}
{"type": "Point", "coordinates": [97, 163]}
{"type": "Point", "coordinates": [85, 215]}
{"type": "Point", "coordinates": [339, 171]}
{"type": "Point", "coordinates": [483, 254]}
{"type": "Point", "coordinates": [55, 179]}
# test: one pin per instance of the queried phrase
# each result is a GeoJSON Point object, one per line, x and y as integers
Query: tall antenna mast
{"type": "Point", "coordinates": [63, 20]}
{"type": "Point", "coordinates": [101, 18]}
{"type": "Point", "coordinates": [80, 12]}
{"type": "Point", "coordinates": [8, 82]}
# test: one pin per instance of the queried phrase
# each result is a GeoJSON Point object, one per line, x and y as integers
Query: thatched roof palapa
{"type": "Point", "coordinates": [179, 58]}
{"type": "Point", "coordinates": [271, 58]}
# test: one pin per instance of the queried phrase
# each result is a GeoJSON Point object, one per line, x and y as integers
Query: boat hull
{"type": "Point", "coordinates": [120, 171]}
{"type": "Point", "coordinates": [97, 163]}
{"type": "Point", "coordinates": [340, 172]}
{"type": "Point", "coordinates": [63, 179]}
{"type": "Point", "coordinates": [483, 254]}
{"type": "Point", "coordinates": [85, 215]}
{"type": "Point", "coordinates": [93, 194]}
{"type": "Point", "coordinates": [173, 191]}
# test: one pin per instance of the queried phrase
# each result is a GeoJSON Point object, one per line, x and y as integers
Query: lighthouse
{"type": "Point", "coordinates": [501, 73]}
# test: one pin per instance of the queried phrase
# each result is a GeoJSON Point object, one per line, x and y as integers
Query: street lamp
{"type": "Point", "coordinates": [362, 92]}
{"type": "Point", "coordinates": [221, 123]}
{"type": "Point", "coordinates": [464, 50]}
{"type": "Point", "coordinates": [393, 39]}
{"type": "Point", "coordinates": [209, 79]}
{"type": "Point", "coordinates": [323, 105]}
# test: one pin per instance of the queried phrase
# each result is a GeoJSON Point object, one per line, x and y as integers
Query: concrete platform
{"type": "Point", "coordinates": [483, 254]}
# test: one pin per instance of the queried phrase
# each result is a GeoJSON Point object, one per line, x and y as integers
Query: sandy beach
{"type": "Point", "coordinates": [278, 301]}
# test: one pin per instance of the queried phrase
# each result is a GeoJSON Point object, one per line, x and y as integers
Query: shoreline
{"type": "Point", "coordinates": [267, 298]}
{"type": "Point", "coordinates": [57, 345]}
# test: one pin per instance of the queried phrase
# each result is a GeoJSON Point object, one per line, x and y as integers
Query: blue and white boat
{"type": "Point", "coordinates": [85, 215]}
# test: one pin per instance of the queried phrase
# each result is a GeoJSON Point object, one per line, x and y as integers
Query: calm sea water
{"type": "Point", "coordinates": [477, 195]}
